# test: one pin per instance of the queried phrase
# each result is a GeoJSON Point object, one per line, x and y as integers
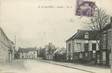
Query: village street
{"type": "Point", "coordinates": [34, 66]}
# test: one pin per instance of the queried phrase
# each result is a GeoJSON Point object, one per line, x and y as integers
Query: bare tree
{"type": "Point", "coordinates": [98, 22]}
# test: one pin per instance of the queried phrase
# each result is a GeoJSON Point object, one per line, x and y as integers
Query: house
{"type": "Point", "coordinates": [107, 44]}
{"type": "Point", "coordinates": [27, 53]}
{"type": "Point", "coordinates": [6, 48]}
{"type": "Point", "coordinates": [83, 47]}
{"type": "Point", "coordinates": [59, 54]}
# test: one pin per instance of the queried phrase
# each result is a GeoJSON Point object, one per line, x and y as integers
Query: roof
{"type": "Point", "coordinates": [10, 43]}
{"type": "Point", "coordinates": [60, 51]}
{"type": "Point", "coordinates": [26, 49]}
{"type": "Point", "coordinates": [80, 35]}
{"type": "Point", "coordinates": [108, 26]}
{"type": "Point", "coordinates": [4, 34]}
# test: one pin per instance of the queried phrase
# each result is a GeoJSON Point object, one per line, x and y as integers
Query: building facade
{"type": "Point", "coordinates": [6, 48]}
{"type": "Point", "coordinates": [83, 47]}
{"type": "Point", "coordinates": [27, 53]}
{"type": "Point", "coordinates": [59, 54]}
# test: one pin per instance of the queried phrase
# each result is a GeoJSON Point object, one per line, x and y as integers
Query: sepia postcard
{"type": "Point", "coordinates": [55, 36]}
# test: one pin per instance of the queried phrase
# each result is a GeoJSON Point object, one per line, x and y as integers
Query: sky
{"type": "Point", "coordinates": [34, 26]}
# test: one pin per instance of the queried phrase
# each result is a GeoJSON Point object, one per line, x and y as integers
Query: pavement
{"type": "Point", "coordinates": [12, 67]}
{"type": "Point", "coordinates": [36, 66]}
{"type": "Point", "coordinates": [91, 69]}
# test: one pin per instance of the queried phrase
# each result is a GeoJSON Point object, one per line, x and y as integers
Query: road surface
{"type": "Point", "coordinates": [35, 66]}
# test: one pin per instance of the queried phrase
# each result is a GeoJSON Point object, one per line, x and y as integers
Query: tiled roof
{"type": "Point", "coordinates": [81, 33]}
{"type": "Point", "coordinates": [26, 49]}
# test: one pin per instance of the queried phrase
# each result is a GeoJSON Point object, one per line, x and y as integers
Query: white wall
{"type": "Point", "coordinates": [4, 47]}
{"type": "Point", "coordinates": [76, 49]}
{"type": "Point", "coordinates": [4, 57]}
{"type": "Point", "coordinates": [70, 53]}
{"type": "Point", "coordinates": [79, 48]}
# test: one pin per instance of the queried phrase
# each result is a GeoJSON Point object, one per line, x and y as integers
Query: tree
{"type": "Point", "coordinates": [98, 22]}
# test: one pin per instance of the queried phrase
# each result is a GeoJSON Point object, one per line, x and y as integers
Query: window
{"type": "Point", "coordinates": [104, 41]}
{"type": "Point", "coordinates": [79, 47]}
{"type": "Point", "coordinates": [69, 47]}
{"type": "Point", "coordinates": [86, 36]}
{"type": "Point", "coordinates": [86, 54]}
{"type": "Point", "coordinates": [104, 56]}
{"type": "Point", "coordinates": [94, 46]}
{"type": "Point", "coordinates": [86, 46]}
{"type": "Point", "coordinates": [81, 55]}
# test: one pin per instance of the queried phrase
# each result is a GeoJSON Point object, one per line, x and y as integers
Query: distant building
{"type": "Point", "coordinates": [49, 50]}
{"type": "Point", "coordinates": [41, 53]}
{"type": "Point", "coordinates": [83, 47]}
{"type": "Point", "coordinates": [27, 53]}
{"type": "Point", "coordinates": [59, 54]}
{"type": "Point", "coordinates": [7, 48]}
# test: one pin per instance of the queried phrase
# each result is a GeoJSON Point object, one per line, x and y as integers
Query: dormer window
{"type": "Point", "coordinates": [86, 36]}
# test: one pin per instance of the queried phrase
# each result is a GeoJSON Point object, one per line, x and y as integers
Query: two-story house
{"type": "Point", "coordinates": [83, 47]}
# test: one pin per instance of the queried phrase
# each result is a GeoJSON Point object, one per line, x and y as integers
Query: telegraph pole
{"type": "Point", "coordinates": [15, 41]}
{"type": "Point", "coordinates": [111, 48]}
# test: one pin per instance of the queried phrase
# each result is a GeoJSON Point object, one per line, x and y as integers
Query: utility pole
{"type": "Point", "coordinates": [111, 55]}
{"type": "Point", "coordinates": [15, 41]}
{"type": "Point", "coordinates": [111, 49]}
{"type": "Point", "coordinates": [111, 46]}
